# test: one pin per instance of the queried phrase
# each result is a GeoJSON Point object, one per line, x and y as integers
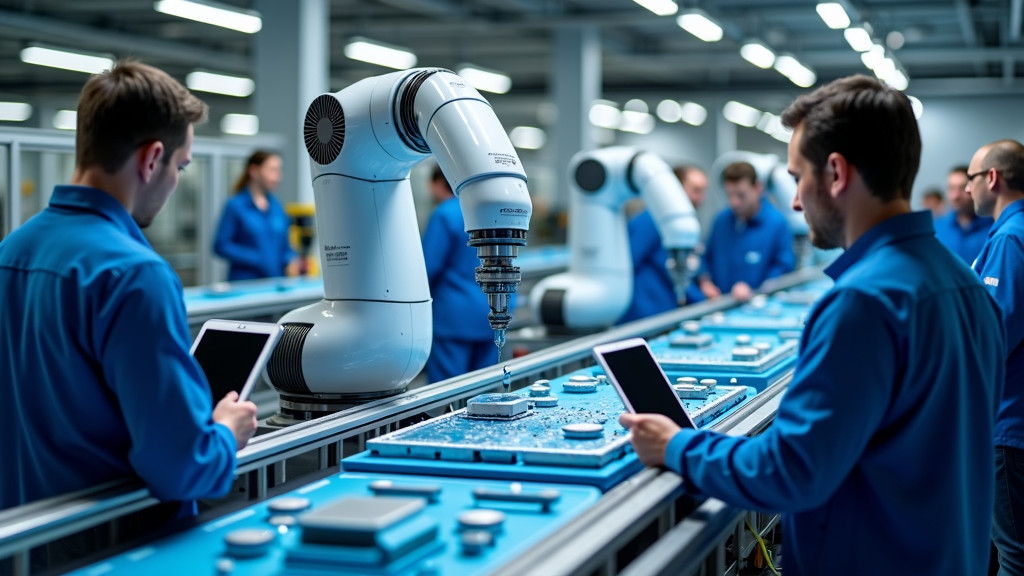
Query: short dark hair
{"type": "Point", "coordinates": [870, 124]}
{"type": "Point", "coordinates": [682, 170]}
{"type": "Point", "coordinates": [960, 168]}
{"type": "Point", "coordinates": [934, 193]}
{"type": "Point", "coordinates": [738, 171]}
{"type": "Point", "coordinates": [1007, 156]}
{"type": "Point", "coordinates": [438, 176]}
{"type": "Point", "coordinates": [127, 107]}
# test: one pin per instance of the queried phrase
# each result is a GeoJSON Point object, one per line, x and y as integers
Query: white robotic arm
{"type": "Point", "coordinates": [598, 287]}
{"type": "Point", "coordinates": [371, 334]}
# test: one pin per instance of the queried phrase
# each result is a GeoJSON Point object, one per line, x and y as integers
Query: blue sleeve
{"type": "Point", "coordinates": [644, 239]}
{"type": "Point", "coordinates": [143, 340]}
{"type": "Point", "coordinates": [783, 257]}
{"type": "Point", "coordinates": [287, 252]}
{"type": "Point", "coordinates": [707, 260]}
{"type": "Point", "coordinates": [224, 244]}
{"type": "Point", "coordinates": [1003, 276]}
{"type": "Point", "coordinates": [437, 242]}
{"type": "Point", "coordinates": [824, 422]}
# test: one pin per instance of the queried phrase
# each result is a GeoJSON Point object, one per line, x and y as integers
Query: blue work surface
{"type": "Point", "coordinates": [227, 297]}
{"type": "Point", "coordinates": [709, 353]}
{"type": "Point", "coordinates": [429, 541]}
{"type": "Point", "coordinates": [534, 446]}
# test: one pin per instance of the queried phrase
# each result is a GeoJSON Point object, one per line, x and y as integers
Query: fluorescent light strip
{"type": "Point", "coordinates": [636, 122]}
{"type": "Point", "coordinates": [605, 114]}
{"type": "Point", "coordinates": [15, 111]}
{"type": "Point", "coordinates": [739, 113]}
{"type": "Point", "coordinates": [65, 119]}
{"type": "Point", "coordinates": [700, 26]}
{"type": "Point", "coordinates": [220, 84]}
{"type": "Point", "coordinates": [486, 80]}
{"type": "Point", "coordinates": [659, 7]}
{"type": "Point", "coordinates": [797, 73]}
{"type": "Point", "coordinates": [758, 54]}
{"type": "Point", "coordinates": [76, 61]}
{"type": "Point", "coordinates": [873, 57]}
{"type": "Point", "coordinates": [528, 137]}
{"type": "Point", "coordinates": [858, 39]}
{"type": "Point", "coordinates": [916, 105]}
{"type": "Point", "coordinates": [833, 14]}
{"type": "Point", "coordinates": [240, 124]}
{"type": "Point", "coordinates": [374, 53]}
{"type": "Point", "coordinates": [669, 111]}
{"type": "Point", "coordinates": [211, 13]}
{"type": "Point", "coordinates": [694, 114]}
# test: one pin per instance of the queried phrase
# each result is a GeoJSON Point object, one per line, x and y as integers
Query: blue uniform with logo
{"type": "Point", "coordinates": [255, 243]}
{"type": "Point", "coordinates": [964, 242]}
{"type": "Point", "coordinates": [750, 252]}
{"type": "Point", "coordinates": [463, 340]}
{"type": "Point", "coordinates": [96, 379]}
{"type": "Point", "coordinates": [1001, 268]}
{"type": "Point", "coordinates": [880, 453]}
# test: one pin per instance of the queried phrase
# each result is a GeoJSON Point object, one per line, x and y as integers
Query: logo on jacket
{"type": "Point", "coordinates": [752, 257]}
{"type": "Point", "coordinates": [990, 281]}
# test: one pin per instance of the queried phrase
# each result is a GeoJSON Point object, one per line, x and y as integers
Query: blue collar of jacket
{"type": "Point", "coordinates": [1008, 212]}
{"type": "Point", "coordinates": [96, 201]}
{"type": "Point", "coordinates": [885, 232]}
{"type": "Point", "coordinates": [758, 217]}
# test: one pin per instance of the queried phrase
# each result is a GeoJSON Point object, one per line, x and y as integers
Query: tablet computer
{"type": "Point", "coordinates": [640, 381]}
{"type": "Point", "coordinates": [232, 354]}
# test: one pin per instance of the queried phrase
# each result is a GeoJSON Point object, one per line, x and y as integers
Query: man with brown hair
{"type": "Point", "coordinates": [883, 440]}
{"type": "Point", "coordinates": [995, 183]}
{"type": "Point", "coordinates": [961, 229]}
{"type": "Point", "coordinates": [96, 381]}
{"type": "Point", "coordinates": [750, 241]}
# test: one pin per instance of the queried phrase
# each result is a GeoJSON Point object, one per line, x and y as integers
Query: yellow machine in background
{"type": "Point", "coordinates": [301, 234]}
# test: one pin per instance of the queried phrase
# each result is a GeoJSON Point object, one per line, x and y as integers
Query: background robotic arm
{"type": "Point", "coordinates": [371, 334]}
{"type": "Point", "coordinates": [598, 287]}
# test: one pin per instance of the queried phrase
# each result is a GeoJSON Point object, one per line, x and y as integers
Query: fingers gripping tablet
{"type": "Point", "coordinates": [233, 354]}
{"type": "Point", "coordinates": [640, 381]}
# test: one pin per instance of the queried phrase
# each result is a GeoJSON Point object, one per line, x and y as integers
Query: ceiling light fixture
{"type": "Point", "coordinates": [65, 119]}
{"type": "Point", "coordinates": [203, 81]}
{"type": "Point", "coordinates": [858, 38]}
{"type": "Point", "coordinates": [916, 105]}
{"type": "Point", "coordinates": [694, 114]}
{"type": "Point", "coordinates": [669, 111]}
{"type": "Point", "coordinates": [833, 14]}
{"type": "Point", "coordinates": [739, 113]}
{"type": "Point", "coordinates": [701, 26]}
{"type": "Point", "coordinates": [15, 111]}
{"type": "Point", "coordinates": [212, 13]}
{"type": "Point", "coordinates": [758, 54]}
{"type": "Point", "coordinates": [636, 122]}
{"type": "Point", "coordinates": [380, 54]}
{"type": "Point", "coordinates": [797, 73]}
{"type": "Point", "coordinates": [605, 114]}
{"type": "Point", "coordinates": [659, 7]}
{"type": "Point", "coordinates": [486, 80]}
{"type": "Point", "coordinates": [528, 137]}
{"type": "Point", "coordinates": [240, 124]}
{"type": "Point", "coordinates": [66, 59]}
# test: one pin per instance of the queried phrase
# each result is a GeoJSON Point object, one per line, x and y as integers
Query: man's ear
{"type": "Point", "coordinates": [149, 156]}
{"type": "Point", "coordinates": [837, 174]}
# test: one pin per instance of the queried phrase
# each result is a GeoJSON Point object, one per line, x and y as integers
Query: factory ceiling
{"type": "Point", "coordinates": [952, 47]}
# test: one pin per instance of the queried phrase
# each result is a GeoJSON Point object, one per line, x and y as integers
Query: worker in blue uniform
{"type": "Point", "coordinates": [463, 340]}
{"type": "Point", "coordinates": [653, 289]}
{"type": "Point", "coordinates": [253, 231]}
{"type": "Point", "coordinates": [750, 241]}
{"type": "Point", "coordinates": [995, 183]}
{"type": "Point", "coordinates": [880, 454]}
{"type": "Point", "coordinates": [96, 379]}
{"type": "Point", "coordinates": [961, 229]}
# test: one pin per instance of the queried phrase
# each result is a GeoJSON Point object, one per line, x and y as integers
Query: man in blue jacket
{"type": "Point", "coordinates": [463, 339]}
{"type": "Point", "coordinates": [96, 379]}
{"type": "Point", "coordinates": [961, 230]}
{"type": "Point", "coordinates": [880, 455]}
{"type": "Point", "coordinates": [750, 241]}
{"type": "Point", "coordinates": [995, 182]}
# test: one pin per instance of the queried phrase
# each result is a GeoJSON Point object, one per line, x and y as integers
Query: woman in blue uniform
{"type": "Point", "coordinates": [253, 231]}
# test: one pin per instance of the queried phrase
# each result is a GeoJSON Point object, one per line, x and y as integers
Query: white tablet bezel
{"type": "Point", "coordinates": [273, 332]}
{"type": "Point", "coordinates": [602, 349]}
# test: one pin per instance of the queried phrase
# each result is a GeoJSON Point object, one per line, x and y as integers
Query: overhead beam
{"type": "Point", "coordinates": [66, 34]}
{"type": "Point", "coordinates": [1016, 14]}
